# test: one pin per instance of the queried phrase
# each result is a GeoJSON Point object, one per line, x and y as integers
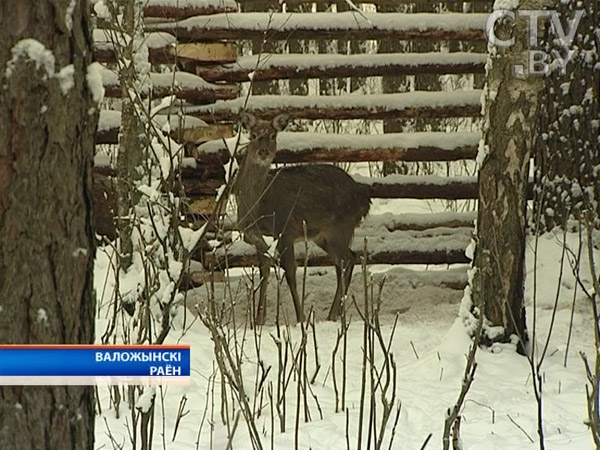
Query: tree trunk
{"type": "Point", "coordinates": [131, 142]}
{"type": "Point", "coordinates": [567, 155]}
{"type": "Point", "coordinates": [47, 124]}
{"type": "Point", "coordinates": [510, 109]}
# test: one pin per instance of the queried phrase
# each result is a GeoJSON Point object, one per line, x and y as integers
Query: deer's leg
{"type": "Point", "coordinates": [265, 270]}
{"type": "Point", "coordinates": [264, 261]}
{"type": "Point", "coordinates": [287, 259]}
{"type": "Point", "coordinates": [343, 258]}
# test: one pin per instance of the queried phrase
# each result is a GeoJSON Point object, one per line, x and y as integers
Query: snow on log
{"type": "Point", "coordinates": [182, 9]}
{"type": "Point", "coordinates": [423, 187]}
{"type": "Point", "coordinates": [163, 49]}
{"type": "Point", "coordinates": [376, 106]}
{"type": "Point", "coordinates": [274, 67]}
{"type": "Point", "coordinates": [249, 3]}
{"type": "Point", "coordinates": [392, 222]}
{"type": "Point", "coordinates": [186, 129]}
{"type": "Point", "coordinates": [187, 86]}
{"type": "Point", "coordinates": [322, 147]}
{"type": "Point", "coordinates": [395, 247]}
{"type": "Point", "coordinates": [420, 221]}
{"type": "Point", "coordinates": [344, 25]}
{"type": "Point", "coordinates": [452, 278]}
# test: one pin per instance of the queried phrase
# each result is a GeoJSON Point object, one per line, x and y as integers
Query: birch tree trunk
{"type": "Point", "coordinates": [48, 119]}
{"type": "Point", "coordinates": [131, 141]}
{"type": "Point", "coordinates": [510, 109]}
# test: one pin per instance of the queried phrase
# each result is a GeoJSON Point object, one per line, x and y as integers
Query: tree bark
{"type": "Point", "coordinates": [132, 143]}
{"type": "Point", "coordinates": [567, 154]}
{"type": "Point", "coordinates": [47, 124]}
{"type": "Point", "coordinates": [510, 109]}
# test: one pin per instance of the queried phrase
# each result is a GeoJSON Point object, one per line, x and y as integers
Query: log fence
{"type": "Point", "coordinates": [200, 42]}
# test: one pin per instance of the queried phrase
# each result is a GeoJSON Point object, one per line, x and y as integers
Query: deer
{"type": "Point", "coordinates": [318, 201]}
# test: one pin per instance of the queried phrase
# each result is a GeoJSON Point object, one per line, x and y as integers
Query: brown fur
{"type": "Point", "coordinates": [277, 203]}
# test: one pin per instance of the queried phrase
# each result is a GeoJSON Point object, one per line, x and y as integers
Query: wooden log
{"type": "Point", "coordinates": [185, 130]}
{"type": "Point", "coordinates": [392, 186]}
{"type": "Point", "coordinates": [191, 88]}
{"type": "Point", "coordinates": [454, 278]}
{"type": "Point", "coordinates": [164, 49]}
{"type": "Point", "coordinates": [194, 136]}
{"type": "Point", "coordinates": [398, 222]}
{"type": "Point", "coordinates": [185, 9]}
{"type": "Point", "coordinates": [384, 257]}
{"type": "Point", "coordinates": [247, 257]}
{"type": "Point", "coordinates": [205, 52]}
{"type": "Point", "coordinates": [292, 66]}
{"type": "Point", "coordinates": [369, 2]}
{"type": "Point", "coordinates": [345, 25]}
{"type": "Point", "coordinates": [322, 147]}
{"type": "Point", "coordinates": [426, 187]}
{"type": "Point", "coordinates": [376, 106]}
{"type": "Point", "coordinates": [420, 222]}
{"type": "Point", "coordinates": [203, 206]}
{"type": "Point", "coordinates": [422, 187]}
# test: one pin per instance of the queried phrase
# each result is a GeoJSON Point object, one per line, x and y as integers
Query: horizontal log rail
{"type": "Point", "coordinates": [322, 147]}
{"type": "Point", "coordinates": [293, 66]}
{"type": "Point", "coordinates": [345, 25]}
{"type": "Point", "coordinates": [392, 186]}
{"type": "Point", "coordinates": [184, 129]}
{"type": "Point", "coordinates": [185, 9]}
{"type": "Point", "coordinates": [456, 256]}
{"type": "Point", "coordinates": [408, 105]}
{"type": "Point", "coordinates": [454, 278]}
{"type": "Point", "coordinates": [420, 222]}
{"type": "Point", "coordinates": [401, 249]}
{"type": "Point", "coordinates": [254, 3]}
{"type": "Point", "coordinates": [164, 49]}
{"type": "Point", "coordinates": [186, 86]}
{"type": "Point", "coordinates": [422, 187]}
{"type": "Point", "coordinates": [396, 222]}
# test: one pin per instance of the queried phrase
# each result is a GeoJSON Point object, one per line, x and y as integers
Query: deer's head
{"type": "Point", "coordinates": [263, 136]}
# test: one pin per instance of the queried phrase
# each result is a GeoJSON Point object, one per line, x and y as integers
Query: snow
{"type": "Point", "coordinates": [112, 119]}
{"type": "Point", "coordinates": [330, 61]}
{"type": "Point", "coordinates": [94, 81]}
{"type": "Point", "coordinates": [144, 402]}
{"type": "Point", "coordinates": [182, 80]}
{"type": "Point", "coordinates": [201, 4]}
{"type": "Point", "coordinates": [103, 40]}
{"type": "Point", "coordinates": [65, 78]}
{"type": "Point", "coordinates": [69, 15]}
{"type": "Point", "coordinates": [414, 179]}
{"type": "Point", "coordinates": [109, 119]}
{"type": "Point", "coordinates": [32, 50]}
{"type": "Point", "coordinates": [42, 315]}
{"type": "Point", "coordinates": [306, 141]}
{"type": "Point", "coordinates": [418, 221]}
{"type": "Point", "coordinates": [415, 99]}
{"type": "Point", "coordinates": [289, 22]}
{"type": "Point", "coordinates": [380, 241]}
{"type": "Point", "coordinates": [429, 348]}
{"type": "Point", "coordinates": [506, 4]}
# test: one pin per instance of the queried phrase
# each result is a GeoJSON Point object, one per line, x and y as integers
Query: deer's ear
{"type": "Point", "coordinates": [248, 120]}
{"type": "Point", "coordinates": [280, 121]}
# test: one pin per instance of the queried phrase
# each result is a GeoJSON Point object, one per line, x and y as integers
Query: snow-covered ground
{"type": "Point", "coordinates": [429, 348]}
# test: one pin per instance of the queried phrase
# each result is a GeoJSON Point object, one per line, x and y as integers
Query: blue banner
{"type": "Point", "coordinates": [94, 361]}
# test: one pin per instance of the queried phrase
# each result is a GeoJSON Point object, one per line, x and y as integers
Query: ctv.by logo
{"type": "Point", "coordinates": [538, 61]}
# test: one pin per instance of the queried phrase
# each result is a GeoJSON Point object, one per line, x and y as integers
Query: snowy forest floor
{"type": "Point", "coordinates": [429, 348]}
